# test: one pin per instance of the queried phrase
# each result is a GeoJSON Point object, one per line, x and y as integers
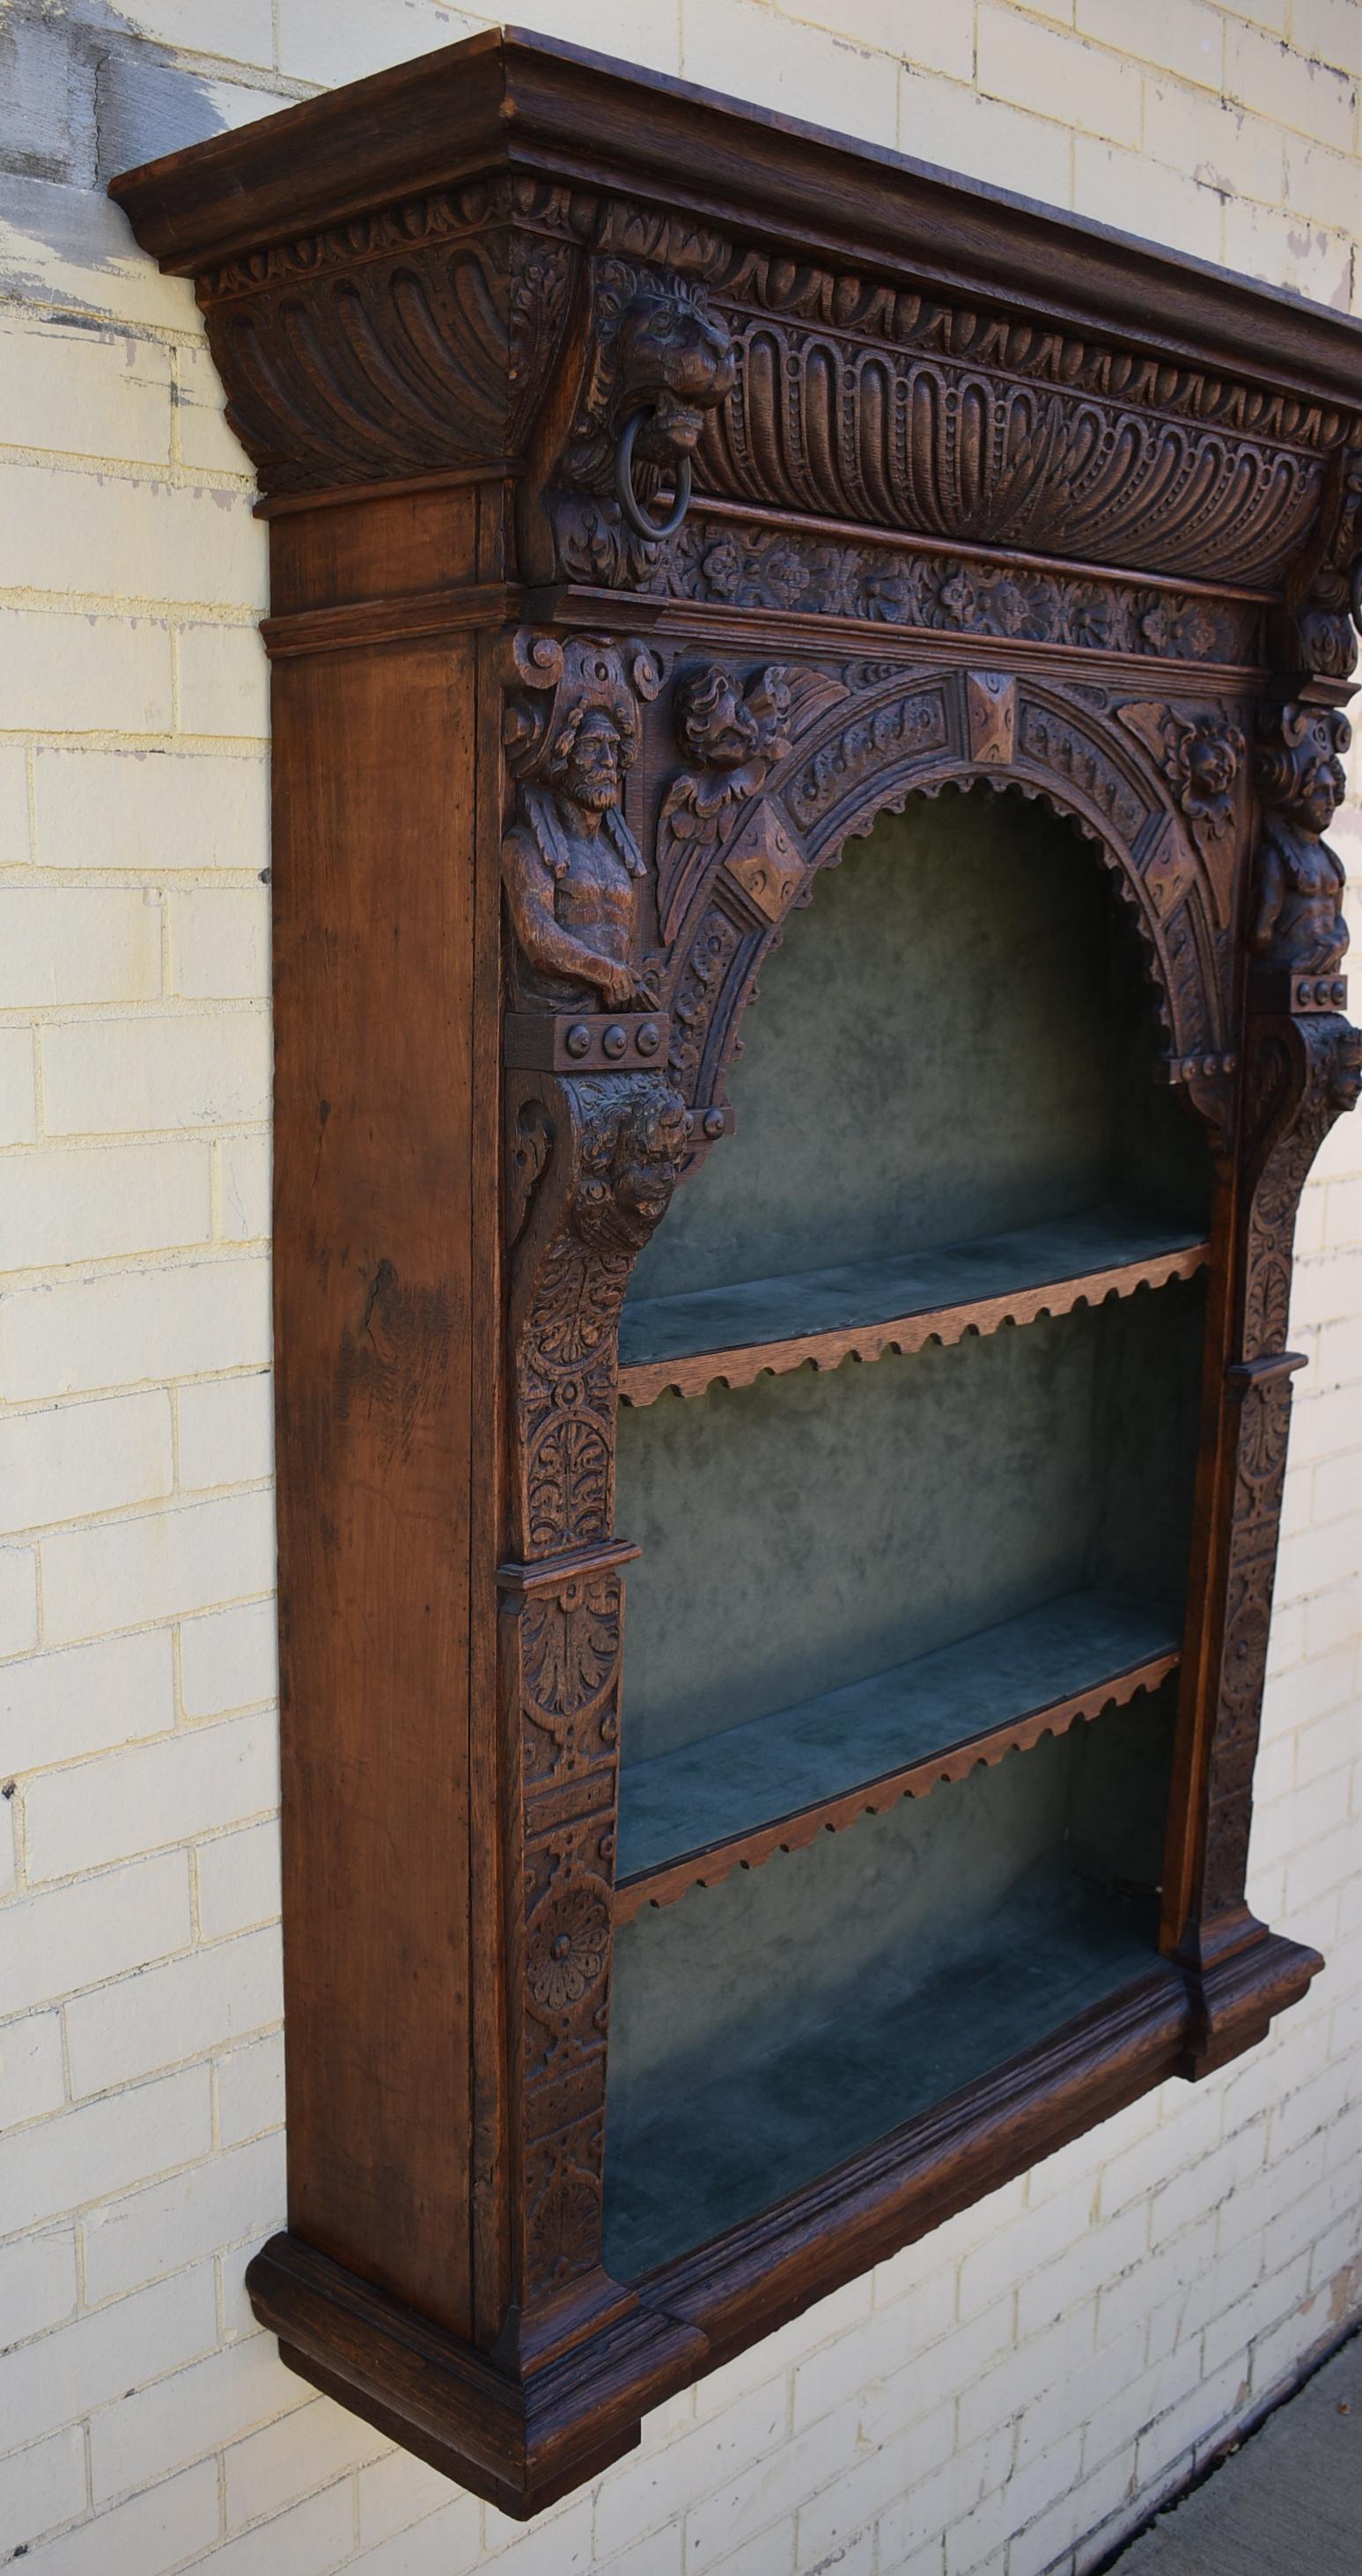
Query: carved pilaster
{"type": "Point", "coordinates": [1303, 1069]}
{"type": "Point", "coordinates": [592, 1163]}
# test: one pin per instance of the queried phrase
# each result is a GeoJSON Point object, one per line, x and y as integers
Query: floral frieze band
{"type": "Point", "coordinates": [738, 565]}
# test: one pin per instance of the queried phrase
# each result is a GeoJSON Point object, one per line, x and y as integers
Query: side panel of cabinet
{"type": "Point", "coordinates": [377, 1304]}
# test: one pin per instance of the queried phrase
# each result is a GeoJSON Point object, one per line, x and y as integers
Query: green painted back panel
{"type": "Point", "coordinates": [763, 2029]}
{"type": "Point", "coordinates": [940, 1049]}
{"type": "Point", "coordinates": [810, 1530]}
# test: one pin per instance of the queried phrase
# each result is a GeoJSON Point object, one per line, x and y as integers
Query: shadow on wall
{"type": "Point", "coordinates": [85, 94]}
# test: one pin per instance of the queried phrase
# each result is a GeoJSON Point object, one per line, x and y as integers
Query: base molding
{"type": "Point", "coordinates": [521, 2438]}
{"type": "Point", "coordinates": [1239, 1978]}
{"type": "Point", "coordinates": [520, 2443]}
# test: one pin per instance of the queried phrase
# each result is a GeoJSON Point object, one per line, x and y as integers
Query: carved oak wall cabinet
{"type": "Point", "coordinates": [667, 504]}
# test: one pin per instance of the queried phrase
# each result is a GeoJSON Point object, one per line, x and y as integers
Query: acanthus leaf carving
{"type": "Point", "coordinates": [618, 1141]}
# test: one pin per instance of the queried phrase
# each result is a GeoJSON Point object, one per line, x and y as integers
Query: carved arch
{"type": "Point", "coordinates": [905, 734]}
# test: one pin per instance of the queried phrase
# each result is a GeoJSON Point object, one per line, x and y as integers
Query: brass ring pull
{"type": "Point", "coordinates": [653, 531]}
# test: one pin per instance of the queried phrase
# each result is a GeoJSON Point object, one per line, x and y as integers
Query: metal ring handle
{"type": "Point", "coordinates": [1355, 598]}
{"type": "Point", "coordinates": [653, 531]}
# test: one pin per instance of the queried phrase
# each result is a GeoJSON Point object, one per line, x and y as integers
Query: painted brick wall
{"type": "Point", "coordinates": [1004, 2399]}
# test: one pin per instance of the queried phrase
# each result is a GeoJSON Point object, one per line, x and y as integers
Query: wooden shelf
{"type": "Point", "coordinates": [730, 1800]}
{"type": "Point", "coordinates": [734, 2132]}
{"type": "Point", "coordinates": [866, 1308]}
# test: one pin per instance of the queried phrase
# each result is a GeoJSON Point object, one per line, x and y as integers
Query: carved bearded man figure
{"type": "Point", "coordinates": [571, 864]}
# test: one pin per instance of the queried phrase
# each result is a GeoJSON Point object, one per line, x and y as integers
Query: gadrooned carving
{"type": "Point", "coordinates": [570, 864]}
{"type": "Point", "coordinates": [407, 341]}
{"type": "Point", "coordinates": [900, 438]}
{"type": "Point", "coordinates": [1298, 922]}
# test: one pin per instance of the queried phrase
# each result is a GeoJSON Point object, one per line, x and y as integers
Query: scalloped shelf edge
{"type": "Point", "coordinates": [666, 1883]}
{"type": "Point", "coordinates": [641, 1382]}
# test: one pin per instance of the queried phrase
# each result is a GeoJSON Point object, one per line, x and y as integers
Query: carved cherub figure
{"type": "Point", "coordinates": [570, 863]}
{"type": "Point", "coordinates": [1299, 922]}
{"type": "Point", "coordinates": [732, 737]}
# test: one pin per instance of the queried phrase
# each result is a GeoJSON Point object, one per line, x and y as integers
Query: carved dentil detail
{"type": "Point", "coordinates": [1298, 921]}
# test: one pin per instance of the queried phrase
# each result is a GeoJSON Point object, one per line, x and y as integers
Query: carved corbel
{"type": "Point", "coordinates": [645, 365]}
{"type": "Point", "coordinates": [1322, 603]}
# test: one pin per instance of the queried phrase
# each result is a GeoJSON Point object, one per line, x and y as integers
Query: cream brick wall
{"type": "Point", "coordinates": [1004, 2399]}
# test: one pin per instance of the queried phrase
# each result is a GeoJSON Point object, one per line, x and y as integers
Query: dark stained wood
{"type": "Point", "coordinates": [546, 792]}
{"type": "Point", "coordinates": [764, 1305]}
{"type": "Point", "coordinates": [374, 1263]}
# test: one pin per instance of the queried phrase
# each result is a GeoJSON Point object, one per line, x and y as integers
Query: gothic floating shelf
{"type": "Point", "coordinates": [667, 503]}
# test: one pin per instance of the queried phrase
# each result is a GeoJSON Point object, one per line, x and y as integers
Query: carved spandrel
{"type": "Point", "coordinates": [883, 735]}
{"type": "Point", "coordinates": [730, 736]}
{"type": "Point", "coordinates": [1201, 755]}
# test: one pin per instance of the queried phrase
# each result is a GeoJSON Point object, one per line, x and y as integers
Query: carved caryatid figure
{"type": "Point", "coordinates": [1299, 922]}
{"type": "Point", "coordinates": [570, 863]}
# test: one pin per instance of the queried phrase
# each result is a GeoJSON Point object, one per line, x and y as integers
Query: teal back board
{"type": "Point", "coordinates": [954, 1039]}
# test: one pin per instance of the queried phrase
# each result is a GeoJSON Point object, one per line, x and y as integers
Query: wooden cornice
{"type": "Point", "coordinates": [511, 100]}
